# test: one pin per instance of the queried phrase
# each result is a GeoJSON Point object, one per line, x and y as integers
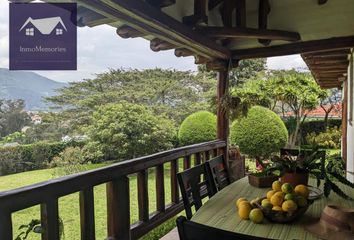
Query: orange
{"type": "Point", "coordinates": [276, 200]}
{"type": "Point", "coordinates": [270, 194]}
{"type": "Point", "coordinates": [302, 190]}
{"type": "Point", "coordinates": [256, 215]}
{"type": "Point", "coordinates": [244, 211]}
{"type": "Point", "coordinates": [277, 208]}
{"type": "Point", "coordinates": [289, 206]}
{"type": "Point", "coordinates": [240, 200]}
{"type": "Point", "coordinates": [276, 185]}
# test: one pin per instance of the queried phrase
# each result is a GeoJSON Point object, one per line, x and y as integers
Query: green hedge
{"type": "Point", "coordinates": [260, 133]}
{"type": "Point", "coordinates": [197, 127]}
{"type": "Point", "coordinates": [23, 158]}
{"type": "Point", "coordinates": [313, 126]}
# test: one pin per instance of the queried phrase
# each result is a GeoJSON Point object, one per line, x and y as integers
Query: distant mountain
{"type": "Point", "coordinates": [28, 86]}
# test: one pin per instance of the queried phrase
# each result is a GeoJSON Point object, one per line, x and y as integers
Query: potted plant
{"type": "Point", "coordinates": [264, 177]}
{"type": "Point", "coordinates": [296, 170]}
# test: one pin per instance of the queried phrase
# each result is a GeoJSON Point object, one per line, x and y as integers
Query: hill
{"type": "Point", "coordinates": [28, 86]}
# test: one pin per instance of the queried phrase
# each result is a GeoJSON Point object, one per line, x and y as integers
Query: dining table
{"type": "Point", "coordinates": [220, 211]}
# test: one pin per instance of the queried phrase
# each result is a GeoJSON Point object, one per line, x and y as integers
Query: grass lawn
{"type": "Point", "coordinates": [69, 205]}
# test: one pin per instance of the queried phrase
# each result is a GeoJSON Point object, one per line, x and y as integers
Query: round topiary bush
{"type": "Point", "coordinates": [260, 133]}
{"type": "Point", "coordinates": [197, 127]}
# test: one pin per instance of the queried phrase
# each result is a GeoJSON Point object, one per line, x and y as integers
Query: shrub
{"type": "Point", "coordinates": [260, 133]}
{"type": "Point", "coordinates": [23, 158]}
{"type": "Point", "coordinates": [197, 127]}
{"type": "Point", "coordinates": [331, 138]}
{"type": "Point", "coordinates": [69, 161]}
{"type": "Point", "coordinates": [124, 131]}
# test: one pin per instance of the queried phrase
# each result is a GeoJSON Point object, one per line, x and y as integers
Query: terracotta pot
{"type": "Point", "coordinates": [261, 181]}
{"type": "Point", "coordinates": [295, 178]}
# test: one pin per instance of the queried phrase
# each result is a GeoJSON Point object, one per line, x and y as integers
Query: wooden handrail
{"type": "Point", "coordinates": [116, 177]}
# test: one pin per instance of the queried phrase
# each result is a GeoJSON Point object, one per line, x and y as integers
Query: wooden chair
{"type": "Point", "coordinates": [218, 172]}
{"type": "Point", "coordinates": [194, 187]}
{"type": "Point", "coordinates": [189, 230]}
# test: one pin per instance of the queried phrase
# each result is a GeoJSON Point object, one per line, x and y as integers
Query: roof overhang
{"type": "Point", "coordinates": [220, 32]}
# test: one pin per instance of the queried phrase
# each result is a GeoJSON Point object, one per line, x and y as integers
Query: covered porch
{"type": "Point", "coordinates": [217, 33]}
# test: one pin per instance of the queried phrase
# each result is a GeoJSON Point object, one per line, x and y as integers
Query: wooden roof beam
{"type": "Point", "coordinates": [295, 48]}
{"type": "Point", "coordinates": [159, 45]}
{"type": "Point", "coordinates": [234, 32]}
{"type": "Point", "coordinates": [241, 18]}
{"type": "Point", "coordinates": [183, 52]}
{"type": "Point", "coordinates": [324, 54]}
{"type": "Point", "coordinates": [199, 15]}
{"type": "Point", "coordinates": [147, 18]}
{"type": "Point", "coordinates": [129, 32]}
{"type": "Point", "coordinates": [161, 3]}
{"type": "Point", "coordinates": [263, 11]}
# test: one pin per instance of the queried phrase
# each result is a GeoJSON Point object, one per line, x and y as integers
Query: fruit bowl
{"type": "Point", "coordinates": [282, 216]}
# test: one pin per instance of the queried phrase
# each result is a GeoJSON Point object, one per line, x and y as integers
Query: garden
{"type": "Point", "coordinates": [268, 111]}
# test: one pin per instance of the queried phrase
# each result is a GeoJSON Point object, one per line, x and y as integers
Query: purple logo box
{"type": "Point", "coordinates": [43, 36]}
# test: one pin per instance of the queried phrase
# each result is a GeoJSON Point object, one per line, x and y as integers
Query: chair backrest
{"type": "Point", "coordinates": [189, 230]}
{"type": "Point", "coordinates": [218, 172]}
{"type": "Point", "coordinates": [195, 185]}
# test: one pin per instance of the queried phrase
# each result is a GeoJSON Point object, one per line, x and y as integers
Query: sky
{"type": "Point", "coordinates": [100, 49]}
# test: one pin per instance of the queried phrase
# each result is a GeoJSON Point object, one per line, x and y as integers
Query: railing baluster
{"type": "Point", "coordinates": [174, 183]}
{"type": "Point", "coordinates": [160, 189]}
{"type": "Point", "coordinates": [197, 159]}
{"type": "Point", "coordinates": [118, 209]}
{"type": "Point", "coordinates": [5, 225]}
{"type": "Point", "coordinates": [186, 162]}
{"type": "Point", "coordinates": [143, 196]}
{"type": "Point", "coordinates": [50, 220]}
{"type": "Point", "coordinates": [87, 214]}
{"type": "Point", "coordinates": [207, 156]}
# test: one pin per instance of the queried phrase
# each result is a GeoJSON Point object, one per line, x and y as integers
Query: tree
{"type": "Point", "coordinates": [247, 69]}
{"type": "Point", "coordinates": [125, 130]}
{"type": "Point", "coordinates": [291, 90]}
{"type": "Point", "coordinates": [170, 93]}
{"type": "Point", "coordinates": [13, 117]}
{"type": "Point", "coordinates": [331, 101]}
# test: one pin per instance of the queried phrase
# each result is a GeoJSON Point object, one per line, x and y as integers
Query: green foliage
{"type": "Point", "coordinates": [247, 70]}
{"type": "Point", "coordinates": [30, 157]}
{"type": "Point", "coordinates": [34, 226]}
{"type": "Point", "coordinates": [330, 169]}
{"type": "Point", "coordinates": [12, 116]}
{"type": "Point", "coordinates": [197, 127]}
{"type": "Point", "coordinates": [259, 134]}
{"type": "Point", "coordinates": [331, 138]}
{"type": "Point", "coordinates": [169, 93]}
{"type": "Point", "coordinates": [69, 161]}
{"type": "Point", "coordinates": [13, 137]}
{"type": "Point", "coordinates": [124, 131]}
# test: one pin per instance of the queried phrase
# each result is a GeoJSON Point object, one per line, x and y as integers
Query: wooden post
{"type": "Point", "coordinates": [344, 120]}
{"type": "Point", "coordinates": [5, 225]}
{"type": "Point", "coordinates": [222, 120]}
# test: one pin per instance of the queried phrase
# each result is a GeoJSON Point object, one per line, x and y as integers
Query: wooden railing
{"type": "Point", "coordinates": [118, 191]}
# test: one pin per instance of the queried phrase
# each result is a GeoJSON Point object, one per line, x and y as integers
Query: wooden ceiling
{"type": "Point", "coordinates": [219, 33]}
{"type": "Point", "coordinates": [329, 68]}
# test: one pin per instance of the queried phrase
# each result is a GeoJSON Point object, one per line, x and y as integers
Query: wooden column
{"type": "Point", "coordinates": [344, 120]}
{"type": "Point", "coordinates": [222, 120]}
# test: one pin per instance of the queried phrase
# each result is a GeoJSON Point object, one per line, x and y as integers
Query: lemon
{"type": "Point", "coordinates": [270, 194]}
{"type": "Point", "coordinates": [301, 201]}
{"type": "Point", "coordinates": [280, 194]}
{"type": "Point", "coordinates": [276, 200]}
{"type": "Point", "coordinates": [242, 203]}
{"type": "Point", "coordinates": [277, 208]}
{"type": "Point", "coordinates": [244, 211]}
{"type": "Point", "coordinates": [289, 206]}
{"type": "Point", "coordinates": [276, 185]}
{"type": "Point", "coordinates": [286, 188]}
{"type": "Point", "coordinates": [256, 215]}
{"type": "Point", "coordinates": [240, 200]}
{"type": "Point", "coordinates": [290, 196]}
{"type": "Point", "coordinates": [302, 190]}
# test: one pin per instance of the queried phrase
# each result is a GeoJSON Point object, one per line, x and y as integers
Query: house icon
{"type": "Point", "coordinates": [44, 25]}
